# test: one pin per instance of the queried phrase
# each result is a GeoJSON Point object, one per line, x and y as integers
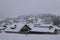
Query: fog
{"type": "Point", "coordinates": [13, 8]}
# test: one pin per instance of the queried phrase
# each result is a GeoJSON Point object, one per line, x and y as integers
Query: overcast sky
{"type": "Point", "coordinates": [13, 8]}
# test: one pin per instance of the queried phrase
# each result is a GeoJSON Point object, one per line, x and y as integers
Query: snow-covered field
{"type": "Point", "coordinates": [8, 36]}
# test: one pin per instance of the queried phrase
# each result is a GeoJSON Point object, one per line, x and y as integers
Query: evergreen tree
{"type": "Point", "coordinates": [56, 21]}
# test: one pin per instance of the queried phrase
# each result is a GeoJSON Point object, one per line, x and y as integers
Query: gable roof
{"type": "Point", "coordinates": [26, 26]}
{"type": "Point", "coordinates": [36, 29]}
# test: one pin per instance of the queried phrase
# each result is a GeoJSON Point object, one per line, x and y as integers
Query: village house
{"type": "Point", "coordinates": [31, 29]}
{"type": "Point", "coordinates": [32, 20]}
{"type": "Point", "coordinates": [17, 28]}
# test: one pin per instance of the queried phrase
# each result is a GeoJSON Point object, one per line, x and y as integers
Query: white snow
{"type": "Point", "coordinates": [11, 36]}
{"type": "Point", "coordinates": [4, 36]}
{"type": "Point", "coordinates": [36, 29]}
{"type": "Point", "coordinates": [1, 28]}
{"type": "Point", "coordinates": [19, 26]}
{"type": "Point", "coordinates": [42, 28]}
{"type": "Point", "coordinates": [39, 21]}
{"type": "Point", "coordinates": [56, 27]}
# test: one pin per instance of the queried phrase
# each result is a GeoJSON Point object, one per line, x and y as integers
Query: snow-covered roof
{"type": "Point", "coordinates": [1, 28]}
{"type": "Point", "coordinates": [43, 25]}
{"type": "Point", "coordinates": [56, 27]}
{"type": "Point", "coordinates": [36, 29]}
{"type": "Point", "coordinates": [46, 25]}
{"type": "Point", "coordinates": [42, 29]}
{"type": "Point", "coordinates": [19, 26]}
{"type": "Point", "coordinates": [39, 21]}
{"type": "Point", "coordinates": [30, 25]}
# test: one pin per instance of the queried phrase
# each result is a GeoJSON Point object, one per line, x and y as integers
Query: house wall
{"type": "Point", "coordinates": [24, 30]}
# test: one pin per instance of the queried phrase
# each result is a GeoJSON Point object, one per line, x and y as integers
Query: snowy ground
{"type": "Point", "coordinates": [8, 36]}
